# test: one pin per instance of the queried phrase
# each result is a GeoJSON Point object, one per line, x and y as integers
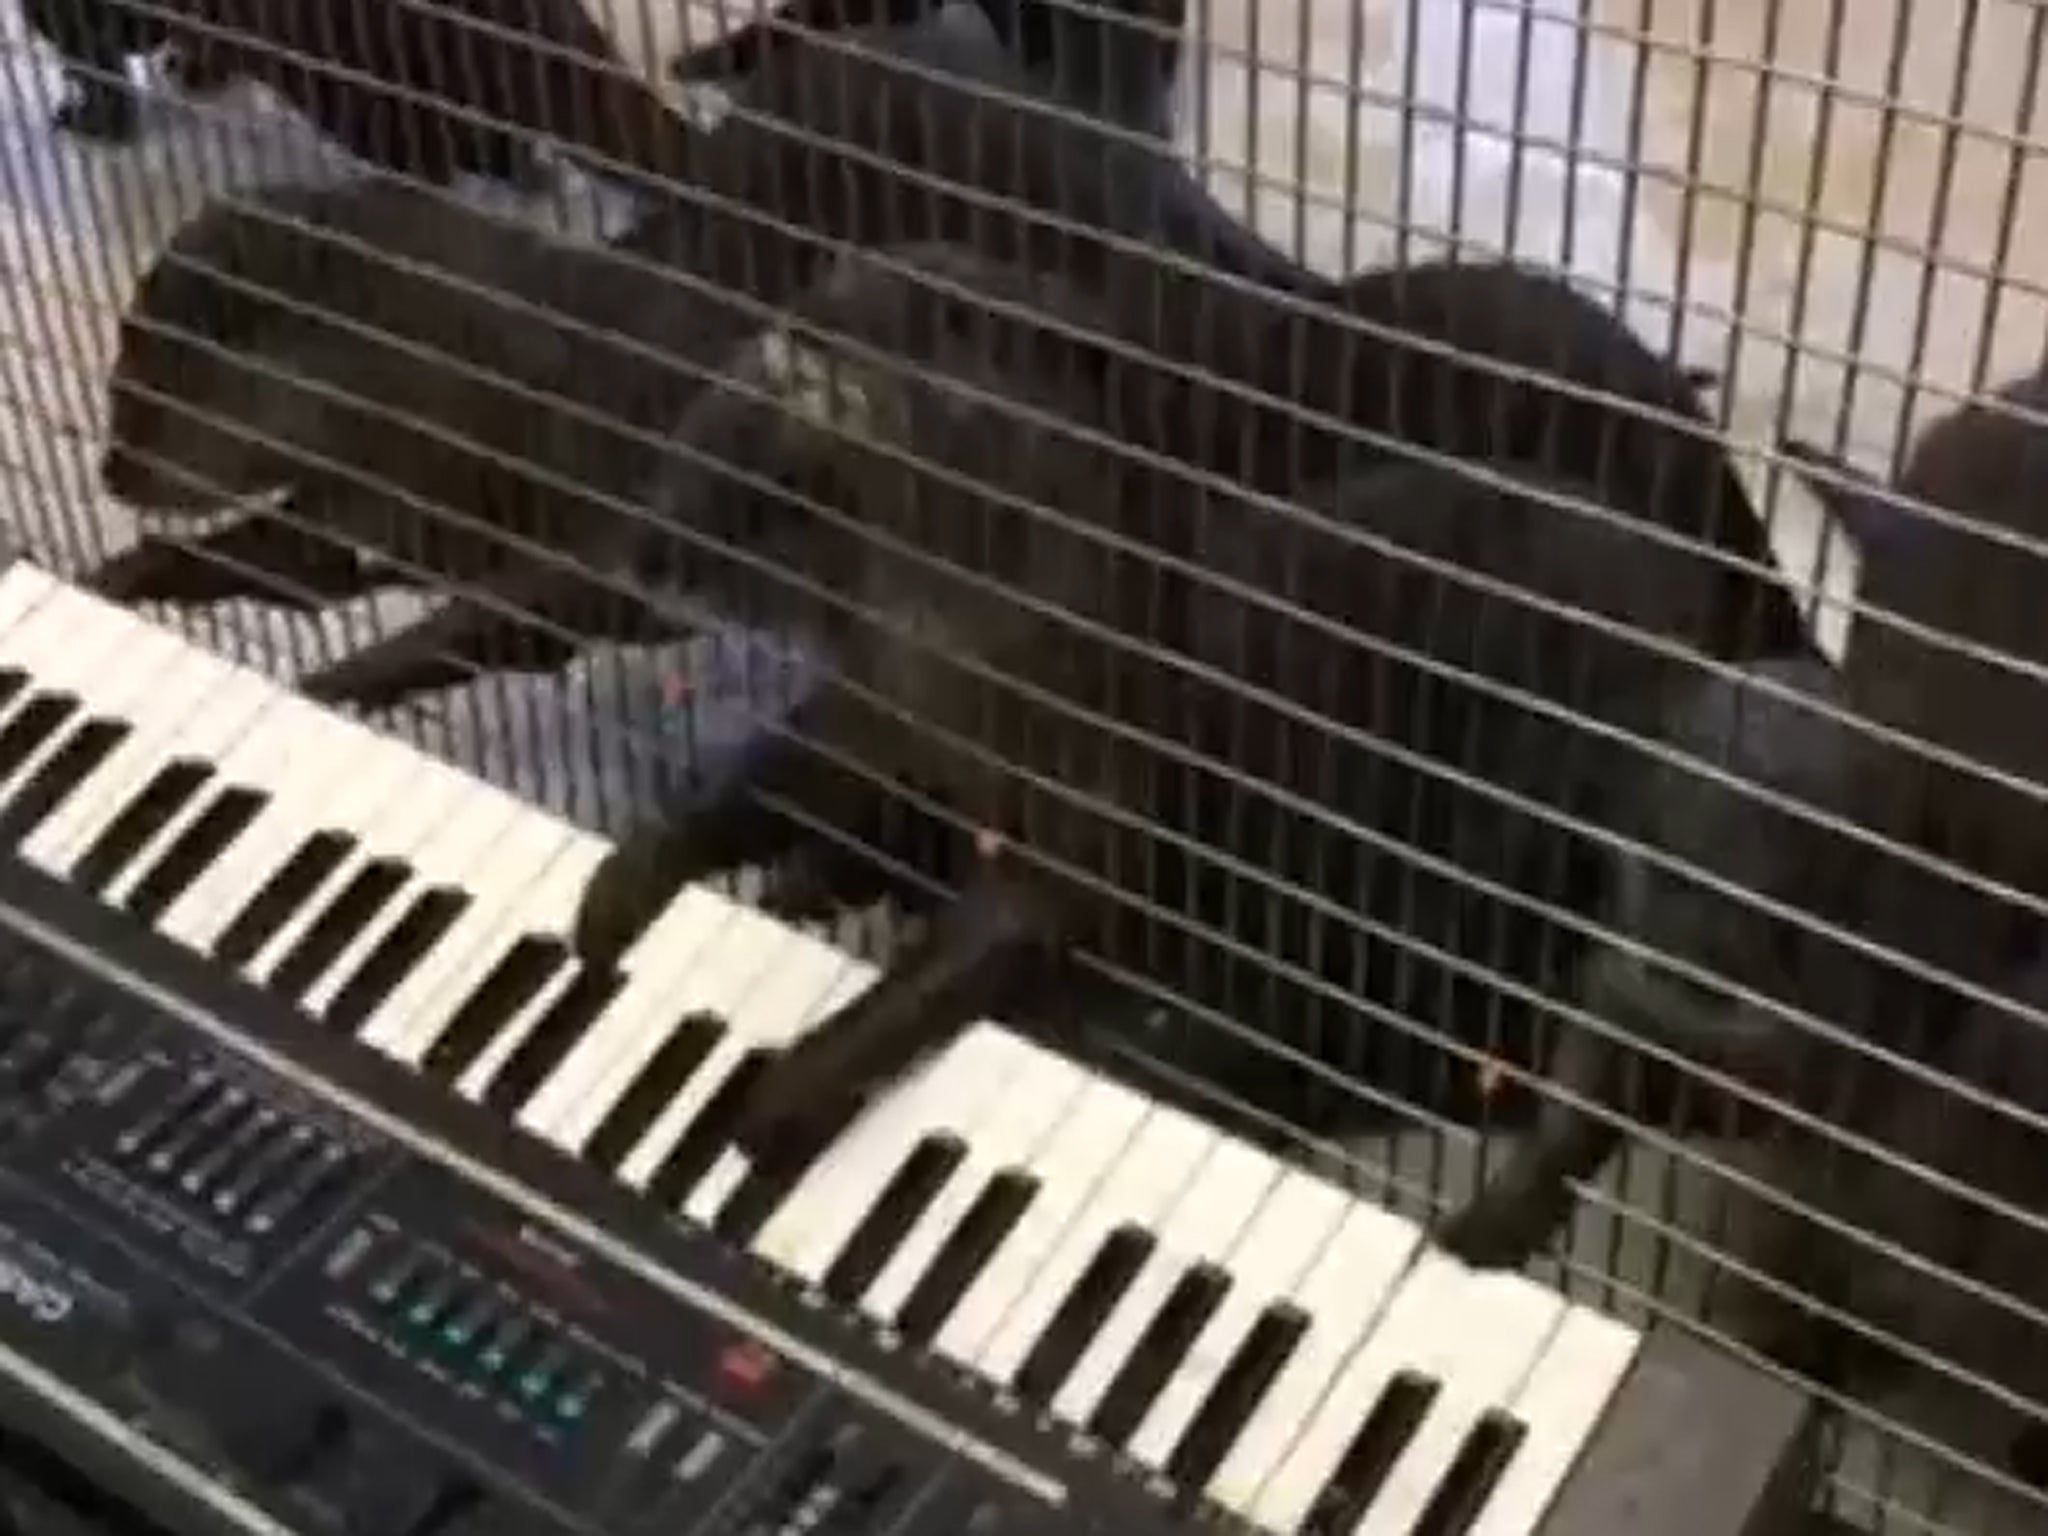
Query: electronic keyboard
{"type": "Point", "coordinates": [335, 1196]}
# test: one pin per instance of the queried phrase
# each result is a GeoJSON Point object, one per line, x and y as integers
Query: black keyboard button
{"type": "Point", "coordinates": [965, 1253]}
{"type": "Point", "coordinates": [362, 897]}
{"type": "Point", "coordinates": [1483, 1458]}
{"type": "Point", "coordinates": [553, 1035]}
{"type": "Point", "coordinates": [281, 896]}
{"type": "Point", "coordinates": [709, 1134]}
{"type": "Point", "coordinates": [520, 976]}
{"type": "Point", "coordinates": [908, 1194]}
{"type": "Point", "coordinates": [1236, 1396]}
{"type": "Point", "coordinates": [1081, 1316]}
{"type": "Point", "coordinates": [392, 958]}
{"type": "Point", "coordinates": [33, 724]}
{"type": "Point", "coordinates": [192, 852]}
{"type": "Point", "coordinates": [759, 1195]}
{"type": "Point", "coordinates": [62, 772]}
{"type": "Point", "coordinates": [1372, 1454]}
{"type": "Point", "coordinates": [169, 790]}
{"type": "Point", "coordinates": [660, 1080]}
{"type": "Point", "coordinates": [12, 681]}
{"type": "Point", "coordinates": [1161, 1348]}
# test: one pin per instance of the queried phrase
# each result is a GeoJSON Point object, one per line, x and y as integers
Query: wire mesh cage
{"type": "Point", "coordinates": [1446, 586]}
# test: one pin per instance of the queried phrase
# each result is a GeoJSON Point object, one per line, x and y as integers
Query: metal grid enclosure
{"type": "Point", "coordinates": [1449, 584]}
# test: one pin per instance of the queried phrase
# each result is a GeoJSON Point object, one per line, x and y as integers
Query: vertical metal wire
{"type": "Point", "coordinates": [1872, 233]}
{"type": "Point", "coordinates": [2018, 163]}
{"type": "Point", "coordinates": [1934, 253]}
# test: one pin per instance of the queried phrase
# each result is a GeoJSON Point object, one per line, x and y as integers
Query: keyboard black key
{"type": "Point", "coordinates": [205, 838]}
{"type": "Point", "coordinates": [553, 1035]}
{"type": "Point", "coordinates": [32, 725]}
{"type": "Point", "coordinates": [908, 1194]}
{"type": "Point", "coordinates": [674, 1062]}
{"type": "Point", "coordinates": [1482, 1460]}
{"type": "Point", "coordinates": [1081, 1316]}
{"type": "Point", "coordinates": [12, 681]}
{"type": "Point", "coordinates": [1160, 1349]}
{"type": "Point", "coordinates": [169, 789]}
{"type": "Point", "coordinates": [1236, 1396]}
{"type": "Point", "coordinates": [521, 974]}
{"type": "Point", "coordinates": [760, 1195]}
{"type": "Point", "coordinates": [709, 1134]}
{"type": "Point", "coordinates": [281, 896]}
{"type": "Point", "coordinates": [965, 1252]}
{"type": "Point", "coordinates": [361, 898]}
{"type": "Point", "coordinates": [392, 958]}
{"type": "Point", "coordinates": [62, 772]}
{"type": "Point", "coordinates": [1371, 1455]}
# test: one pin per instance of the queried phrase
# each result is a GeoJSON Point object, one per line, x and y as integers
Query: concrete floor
{"type": "Point", "coordinates": [1391, 77]}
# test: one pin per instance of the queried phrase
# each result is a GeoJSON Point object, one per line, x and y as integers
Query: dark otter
{"type": "Point", "coordinates": [1207, 705]}
{"type": "Point", "coordinates": [1948, 643]}
{"type": "Point", "coordinates": [1219, 354]}
{"type": "Point", "coordinates": [427, 90]}
{"type": "Point", "coordinates": [1117, 62]}
{"type": "Point", "coordinates": [440, 392]}
{"type": "Point", "coordinates": [1717, 950]}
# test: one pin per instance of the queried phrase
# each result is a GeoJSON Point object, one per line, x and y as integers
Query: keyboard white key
{"type": "Point", "coordinates": [24, 588]}
{"type": "Point", "coordinates": [1509, 1321]}
{"type": "Point", "coordinates": [71, 646]}
{"type": "Point", "coordinates": [681, 928]}
{"type": "Point", "coordinates": [255, 759]}
{"type": "Point", "coordinates": [812, 1226]}
{"type": "Point", "coordinates": [1559, 1407]}
{"type": "Point", "coordinates": [1203, 1225]}
{"type": "Point", "coordinates": [1033, 1096]}
{"type": "Point", "coordinates": [1342, 1295]}
{"type": "Point", "coordinates": [806, 982]}
{"type": "Point", "coordinates": [1069, 1170]}
{"type": "Point", "coordinates": [1156, 1167]}
{"type": "Point", "coordinates": [1271, 1256]}
{"type": "Point", "coordinates": [475, 1080]}
{"type": "Point", "coordinates": [427, 796]}
{"type": "Point", "coordinates": [706, 962]}
{"type": "Point", "coordinates": [102, 653]}
{"type": "Point", "coordinates": [195, 711]}
{"type": "Point", "coordinates": [63, 636]}
{"type": "Point", "coordinates": [58, 634]}
{"type": "Point", "coordinates": [850, 978]}
{"type": "Point", "coordinates": [611, 1059]}
{"type": "Point", "coordinates": [1474, 1334]}
{"type": "Point", "coordinates": [531, 885]}
{"type": "Point", "coordinates": [478, 822]}
{"type": "Point", "coordinates": [320, 771]}
{"type": "Point", "coordinates": [254, 736]}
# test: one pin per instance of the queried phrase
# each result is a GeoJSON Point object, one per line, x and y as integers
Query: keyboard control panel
{"type": "Point", "coordinates": [358, 1340]}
